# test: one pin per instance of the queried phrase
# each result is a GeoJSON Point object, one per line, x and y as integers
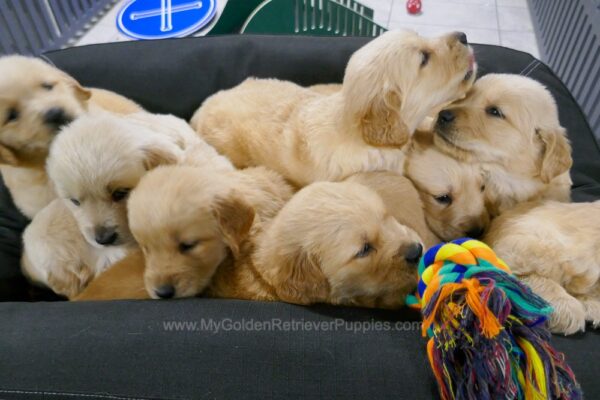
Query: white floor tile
{"type": "Point", "coordinates": [454, 15]}
{"type": "Point", "coordinates": [474, 35]}
{"type": "Point", "coordinates": [524, 41]}
{"type": "Point", "coordinates": [512, 3]}
{"type": "Point", "coordinates": [514, 19]}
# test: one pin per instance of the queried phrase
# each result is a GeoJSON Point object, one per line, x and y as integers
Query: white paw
{"type": "Point", "coordinates": [568, 316]}
{"type": "Point", "coordinates": [592, 312]}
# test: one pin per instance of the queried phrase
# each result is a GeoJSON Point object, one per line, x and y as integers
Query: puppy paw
{"type": "Point", "coordinates": [568, 317]}
{"type": "Point", "coordinates": [592, 312]}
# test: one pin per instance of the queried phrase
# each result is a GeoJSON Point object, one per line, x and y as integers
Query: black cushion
{"type": "Point", "coordinates": [122, 348]}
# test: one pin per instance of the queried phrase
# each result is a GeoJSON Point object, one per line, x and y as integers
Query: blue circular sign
{"type": "Point", "coordinates": [161, 19]}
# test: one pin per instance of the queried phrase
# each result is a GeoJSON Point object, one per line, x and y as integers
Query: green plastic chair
{"type": "Point", "coordinates": [312, 17]}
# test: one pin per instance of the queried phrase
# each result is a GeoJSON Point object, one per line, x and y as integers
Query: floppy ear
{"type": "Point", "coordinates": [81, 93]}
{"type": "Point", "coordinates": [380, 121]}
{"type": "Point", "coordinates": [556, 153]}
{"type": "Point", "coordinates": [7, 156]}
{"type": "Point", "coordinates": [299, 279]}
{"type": "Point", "coordinates": [154, 156]}
{"type": "Point", "coordinates": [235, 217]}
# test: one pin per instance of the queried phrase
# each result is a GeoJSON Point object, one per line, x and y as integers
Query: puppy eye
{"type": "Point", "coordinates": [425, 55]}
{"type": "Point", "coordinates": [47, 86]}
{"type": "Point", "coordinates": [494, 112]}
{"type": "Point", "coordinates": [119, 194]}
{"type": "Point", "coordinates": [482, 188]}
{"type": "Point", "coordinates": [12, 115]}
{"type": "Point", "coordinates": [365, 251]}
{"type": "Point", "coordinates": [445, 199]}
{"type": "Point", "coordinates": [184, 247]}
{"type": "Point", "coordinates": [75, 202]}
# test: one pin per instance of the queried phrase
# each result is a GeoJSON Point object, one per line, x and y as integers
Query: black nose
{"type": "Point", "coordinates": [105, 235]}
{"type": "Point", "coordinates": [414, 252]}
{"type": "Point", "coordinates": [475, 232]}
{"type": "Point", "coordinates": [56, 116]}
{"type": "Point", "coordinates": [165, 291]}
{"type": "Point", "coordinates": [445, 117]}
{"type": "Point", "coordinates": [462, 37]}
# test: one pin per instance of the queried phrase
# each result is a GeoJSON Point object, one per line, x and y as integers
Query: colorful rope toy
{"type": "Point", "coordinates": [487, 334]}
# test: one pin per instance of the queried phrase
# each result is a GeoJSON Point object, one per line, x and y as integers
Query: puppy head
{"type": "Point", "coordinates": [94, 164]}
{"type": "Point", "coordinates": [509, 120]}
{"type": "Point", "coordinates": [186, 220]}
{"type": "Point", "coordinates": [392, 83]}
{"type": "Point", "coordinates": [452, 192]}
{"type": "Point", "coordinates": [335, 242]}
{"type": "Point", "coordinates": [36, 100]}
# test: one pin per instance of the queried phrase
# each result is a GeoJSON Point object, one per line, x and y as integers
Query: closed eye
{"type": "Point", "coordinates": [364, 251]}
{"type": "Point", "coordinates": [185, 247]}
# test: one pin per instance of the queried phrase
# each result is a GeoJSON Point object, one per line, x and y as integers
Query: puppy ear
{"type": "Point", "coordinates": [155, 156]}
{"type": "Point", "coordinates": [235, 217]}
{"type": "Point", "coordinates": [380, 121]}
{"type": "Point", "coordinates": [556, 153]}
{"type": "Point", "coordinates": [7, 156]}
{"type": "Point", "coordinates": [299, 279]}
{"type": "Point", "coordinates": [81, 93]}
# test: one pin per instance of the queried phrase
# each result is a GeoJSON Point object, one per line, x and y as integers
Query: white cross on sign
{"type": "Point", "coordinates": [166, 12]}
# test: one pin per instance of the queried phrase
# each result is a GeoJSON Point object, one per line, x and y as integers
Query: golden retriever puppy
{"type": "Point", "coordinates": [94, 163]}
{"type": "Point", "coordinates": [308, 135]}
{"type": "Point", "coordinates": [453, 192]}
{"type": "Point", "coordinates": [36, 100]}
{"type": "Point", "coordinates": [189, 221]}
{"type": "Point", "coordinates": [509, 123]}
{"type": "Point", "coordinates": [553, 247]}
{"type": "Point", "coordinates": [401, 200]}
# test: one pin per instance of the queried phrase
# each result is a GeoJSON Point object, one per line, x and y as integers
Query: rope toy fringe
{"type": "Point", "coordinates": [488, 339]}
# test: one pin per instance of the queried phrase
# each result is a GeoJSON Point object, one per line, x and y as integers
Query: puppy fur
{"type": "Point", "coordinates": [553, 247]}
{"type": "Point", "coordinates": [308, 135]}
{"type": "Point", "coordinates": [190, 221]}
{"type": "Point", "coordinates": [401, 200]}
{"type": "Point", "coordinates": [453, 192]}
{"type": "Point", "coordinates": [509, 123]}
{"type": "Point", "coordinates": [94, 163]}
{"type": "Point", "coordinates": [32, 95]}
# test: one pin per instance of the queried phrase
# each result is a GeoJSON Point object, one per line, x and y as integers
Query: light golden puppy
{"type": "Point", "coordinates": [553, 247]}
{"type": "Point", "coordinates": [401, 200]}
{"type": "Point", "coordinates": [94, 163]}
{"type": "Point", "coordinates": [190, 221]}
{"type": "Point", "coordinates": [509, 123]}
{"type": "Point", "coordinates": [453, 192]}
{"type": "Point", "coordinates": [36, 100]}
{"type": "Point", "coordinates": [309, 135]}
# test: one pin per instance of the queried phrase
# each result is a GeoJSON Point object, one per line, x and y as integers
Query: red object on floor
{"type": "Point", "coordinates": [413, 6]}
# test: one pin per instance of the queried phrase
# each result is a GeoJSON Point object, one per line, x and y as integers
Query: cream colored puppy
{"type": "Point", "coordinates": [191, 221]}
{"type": "Point", "coordinates": [509, 123]}
{"type": "Point", "coordinates": [453, 192]}
{"type": "Point", "coordinates": [309, 135]}
{"type": "Point", "coordinates": [94, 163]}
{"type": "Point", "coordinates": [36, 100]}
{"type": "Point", "coordinates": [553, 247]}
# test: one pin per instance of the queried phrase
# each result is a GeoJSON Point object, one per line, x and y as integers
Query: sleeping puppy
{"type": "Point", "coordinates": [453, 192]}
{"type": "Point", "coordinates": [36, 100]}
{"type": "Point", "coordinates": [401, 200]}
{"type": "Point", "coordinates": [509, 123]}
{"type": "Point", "coordinates": [94, 163]}
{"type": "Point", "coordinates": [309, 135]}
{"type": "Point", "coordinates": [553, 247]}
{"type": "Point", "coordinates": [190, 221]}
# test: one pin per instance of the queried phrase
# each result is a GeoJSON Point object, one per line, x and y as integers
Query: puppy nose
{"type": "Point", "coordinates": [445, 117]}
{"type": "Point", "coordinates": [56, 116]}
{"type": "Point", "coordinates": [105, 235]}
{"type": "Point", "coordinates": [165, 291]}
{"type": "Point", "coordinates": [413, 253]}
{"type": "Point", "coordinates": [475, 232]}
{"type": "Point", "coordinates": [462, 37]}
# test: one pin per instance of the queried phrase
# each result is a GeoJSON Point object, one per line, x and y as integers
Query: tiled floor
{"type": "Point", "coordinates": [503, 22]}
